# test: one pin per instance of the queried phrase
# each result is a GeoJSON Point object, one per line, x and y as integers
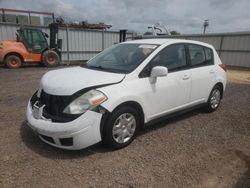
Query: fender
{"type": "Point", "coordinates": [118, 100]}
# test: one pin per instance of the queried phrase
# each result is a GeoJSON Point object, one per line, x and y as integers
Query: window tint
{"type": "Point", "coordinates": [199, 55]}
{"type": "Point", "coordinates": [173, 57]}
{"type": "Point", "coordinates": [209, 55]}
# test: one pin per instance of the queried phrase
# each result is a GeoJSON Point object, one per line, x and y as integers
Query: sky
{"type": "Point", "coordinates": [184, 16]}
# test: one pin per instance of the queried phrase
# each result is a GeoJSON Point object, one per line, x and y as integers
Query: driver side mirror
{"type": "Point", "coordinates": [158, 71]}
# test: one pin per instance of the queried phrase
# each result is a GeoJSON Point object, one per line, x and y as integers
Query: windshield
{"type": "Point", "coordinates": [121, 58]}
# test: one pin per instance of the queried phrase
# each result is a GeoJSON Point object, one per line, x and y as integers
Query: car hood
{"type": "Point", "coordinates": [67, 81]}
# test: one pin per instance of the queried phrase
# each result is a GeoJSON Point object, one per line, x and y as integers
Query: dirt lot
{"type": "Point", "coordinates": [193, 150]}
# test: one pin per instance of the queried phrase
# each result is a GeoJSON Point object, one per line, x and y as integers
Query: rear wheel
{"type": "Point", "coordinates": [214, 99]}
{"type": "Point", "coordinates": [13, 61]}
{"type": "Point", "coordinates": [50, 58]}
{"type": "Point", "coordinates": [121, 127]}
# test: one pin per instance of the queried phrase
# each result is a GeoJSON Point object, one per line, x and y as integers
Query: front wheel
{"type": "Point", "coordinates": [50, 58]}
{"type": "Point", "coordinates": [121, 128]}
{"type": "Point", "coordinates": [214, 99]}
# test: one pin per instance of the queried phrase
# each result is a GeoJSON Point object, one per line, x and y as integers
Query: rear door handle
{"type": "Point", "coordinates": [185, 77]}
{"type": "Point", "coordinates": [211, 71]}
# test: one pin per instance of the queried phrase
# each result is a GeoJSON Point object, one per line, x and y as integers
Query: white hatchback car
{"type": "Point", "coordinates": [123, 88]}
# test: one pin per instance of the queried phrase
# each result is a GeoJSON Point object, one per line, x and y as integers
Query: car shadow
{"type": "Point", "coordinates": [33, 142]}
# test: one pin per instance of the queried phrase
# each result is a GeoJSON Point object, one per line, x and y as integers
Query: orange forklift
{"type": "Point", "coordinates": [31, 46]}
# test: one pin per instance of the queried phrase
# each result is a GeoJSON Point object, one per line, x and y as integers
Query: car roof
{"type": "Point", "coordinates": [161, 41]}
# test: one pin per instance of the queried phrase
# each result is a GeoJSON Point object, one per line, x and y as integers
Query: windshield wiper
{"type": "Point", "coordinates": [97, 67]}
{"type": "Point", "coordinates": [93, 67]}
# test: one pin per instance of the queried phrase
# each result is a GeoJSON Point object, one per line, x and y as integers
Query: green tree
{"type": "Point", "coordinates": [174, 32]}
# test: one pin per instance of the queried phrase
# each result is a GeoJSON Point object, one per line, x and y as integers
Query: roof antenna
{"type": "Point", "coordinates": [205, 25]}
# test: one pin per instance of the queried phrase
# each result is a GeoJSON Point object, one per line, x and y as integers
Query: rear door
{"type": "Point", "coordinates": [171, 92]}
{"type": "Point", "coordinates": [202, 71]}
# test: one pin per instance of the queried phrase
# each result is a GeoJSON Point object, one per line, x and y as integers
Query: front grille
{"type": "Point", "coordinates": [54, 106]}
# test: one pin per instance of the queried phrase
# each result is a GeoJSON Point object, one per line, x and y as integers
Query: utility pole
{"type": "Point", "coordinates": [205, 25]}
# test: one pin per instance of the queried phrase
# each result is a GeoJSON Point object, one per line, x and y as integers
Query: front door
{"type": "Point", "coordinates": [171, 92]}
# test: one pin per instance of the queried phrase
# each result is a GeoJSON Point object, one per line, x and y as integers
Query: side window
{"type": "Point", "coordinates": [173, 57]}
{"type": "Point", "coordinates": [39, 41]}
{"type": "Point", "coordinates": [199, 55]}
{"type": "Point", "coordinates": [27, 38]}
{"type": "Point", "coordinates": [36, 37]}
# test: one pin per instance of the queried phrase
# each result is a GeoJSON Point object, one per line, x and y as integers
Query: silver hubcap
{"type": "Point", "coordinates": [215, 99]}
{"type": "Point", "coordinates": [124, 128]}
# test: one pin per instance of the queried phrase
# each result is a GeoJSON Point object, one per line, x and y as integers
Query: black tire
{"type": "Point", "coordinates": [217, 93]}
{"type": "Point", "coordinates": [50, 58]}
{"type": "Point", "coordinates": [108, 137]}
{"type": "Point", "coordinates": [13, 61]}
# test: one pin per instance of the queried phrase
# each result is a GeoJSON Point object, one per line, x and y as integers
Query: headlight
{"type": "Point", "coordinates": [85, 102]}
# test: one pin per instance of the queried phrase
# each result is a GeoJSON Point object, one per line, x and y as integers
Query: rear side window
{"type": "Point", "coordinates": [199, 55]}
{"type": "Point", "coordinates": [209, 55]}
{"type": "Point", "coordinates": [173, 57]}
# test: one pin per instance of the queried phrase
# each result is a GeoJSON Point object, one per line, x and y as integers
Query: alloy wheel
{"type": "Point", "coordinates": [124, 128]}
{"type": "Point", "coordinates": [215, 98]}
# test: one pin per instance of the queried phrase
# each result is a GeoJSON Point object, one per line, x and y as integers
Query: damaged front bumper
{"type": "Point", "coordinates": [80, 133]}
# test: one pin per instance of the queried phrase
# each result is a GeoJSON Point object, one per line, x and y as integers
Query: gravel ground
{"type": "Point", "coordinates": [192, 150]}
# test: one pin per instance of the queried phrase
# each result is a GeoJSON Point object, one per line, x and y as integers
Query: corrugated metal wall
{"type": "Point", "coordinates": [82, 44]}
{"type": "Point", "coordinates": [233, 48]}
{"type": "Point", "coordinates": [8, 32]}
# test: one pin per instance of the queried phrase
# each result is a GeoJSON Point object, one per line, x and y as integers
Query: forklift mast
{"type": "Point", "coordinates": [55, 43]}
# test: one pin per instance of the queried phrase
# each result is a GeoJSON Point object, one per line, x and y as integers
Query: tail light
{"type": "Point", "coordinates": [223, 66]}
